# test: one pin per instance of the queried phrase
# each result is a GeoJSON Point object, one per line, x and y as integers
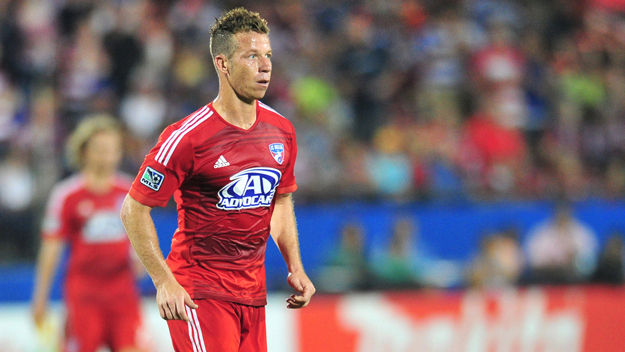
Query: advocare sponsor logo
{"type": "Point", "coordinates": [251, 188]}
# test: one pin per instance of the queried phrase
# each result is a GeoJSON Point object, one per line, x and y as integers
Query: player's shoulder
{"type": "Point", "coordinates": [199, 125]}
{"type": "Point", "coordinates": [191, 122]}
{"type": "Point", "coordinates": [178, 137]}
{"type": "Point", "coordinates": [67, 187]}
{"type": "Point", "coordinates": [275, 118]}
{"type": "Point", "coordinates": [271, 113]}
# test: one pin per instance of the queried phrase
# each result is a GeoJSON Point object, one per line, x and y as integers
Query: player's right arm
{"type": "Point", "coordinates": [163, 171]}
{"type": "Point", "coordinates": [55, 231]}
{"type": "Point", "coordinates": [47, 265]}
{"type": "Point", "coordinates": [171, 297]}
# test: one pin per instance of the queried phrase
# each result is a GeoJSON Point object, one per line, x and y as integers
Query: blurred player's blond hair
{"type": "Point", "coordinates": [86, 129]}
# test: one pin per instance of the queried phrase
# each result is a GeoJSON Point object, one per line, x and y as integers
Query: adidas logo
{"type": "Point", "coordinates": [221, 162]}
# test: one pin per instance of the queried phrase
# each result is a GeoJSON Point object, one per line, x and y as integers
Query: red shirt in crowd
{"type": "Point", "coordinates": [493, 142]}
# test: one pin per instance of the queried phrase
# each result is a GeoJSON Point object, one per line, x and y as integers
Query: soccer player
{"type": "Point", "coordinates": [229, 166]}
{"type": "Point", "coordinates": [101, 297]}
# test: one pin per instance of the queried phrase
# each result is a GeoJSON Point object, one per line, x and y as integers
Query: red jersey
{"type": "Point", "coordinates": [99, 265]}
{"type": "Point", "coordinates": [224, 180]}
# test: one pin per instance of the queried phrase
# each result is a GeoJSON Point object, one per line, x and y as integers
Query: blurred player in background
{"type": "Point", "coordinates": [229, 166]}
{"type": "Point", "coordinates": [101, 297]}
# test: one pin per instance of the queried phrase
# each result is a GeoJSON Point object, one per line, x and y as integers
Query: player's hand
{"type": "Point", "coordinates": [302, 284]}
{"type": "Point", "coordinates": [39, 312]}
{"type": "Point", "coordinates": [171, 299]}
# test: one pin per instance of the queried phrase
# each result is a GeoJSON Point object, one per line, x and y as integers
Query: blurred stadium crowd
{"type": "Point", "coordinates": [403, 100]}
{"type": "Point", "coordinates": [559, 250]}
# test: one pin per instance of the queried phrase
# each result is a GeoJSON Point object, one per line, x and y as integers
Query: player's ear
{"type": "Point", "coordinates": [222, 64]}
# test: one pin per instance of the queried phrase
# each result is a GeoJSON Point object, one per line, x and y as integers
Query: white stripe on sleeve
{"type": "Point", "coordinates": [165, 146]}
{"type": "Point", "coordinates": [189, 128]}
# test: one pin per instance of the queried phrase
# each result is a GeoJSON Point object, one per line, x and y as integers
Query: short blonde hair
{"type": "Point", "coordinates": [230, 23]}
{"type": "Point", "coordinates": [86, 129]}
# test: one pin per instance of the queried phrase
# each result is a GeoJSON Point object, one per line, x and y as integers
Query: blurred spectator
{"type": "Point", "coordinates": [9, 104]}
{"type": "Point", "coordinates": [433, 147]}
{"type": "Point", "coordinates": [123, 48]}
{"type": "Point", "coordinates": [84, 70]}
{"type": "Point", "coordinates": [498, 150]}
{"type": "Point", "coordinates": [562, 249]}
{"type": "Point", "coordinates": [346, 268]}
{"type": "Point", "coordinates": [17, 192]}
{"type": "Point", "coordinates": [362, 61]}
{"type": "Point", "coordinates": [499, 69]}
{"type": "Point", "coordinates": [17, 186]}
{"type": "Point", "coordinates": [144, 109]}
{"type": "Point", "coordinates": [354, 179]}
{"type": "Point", "coordinates": [442, 45]}
{"type": "Point", "coordinates": [389, 168]}
{"type": "Point", "coordinates": [537, 88]}
{"type": "Point", "coordinates": [611, 266]}
{"type": "Point", "coordinates": [406, 262]}
{"type": "Point", "coordinates": [40, 39]}
{"type": "Point", "coordinates": [499, 263]}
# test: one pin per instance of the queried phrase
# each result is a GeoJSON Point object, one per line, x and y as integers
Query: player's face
{"type": "Point", "coordinates": [250, 70]}
{"type": "Point", "coordinates": [103, 152]}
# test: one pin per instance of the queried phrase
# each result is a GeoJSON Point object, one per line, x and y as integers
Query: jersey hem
{"type": "Point", "coordinates": [288, 189]}
{"type": "Point", "coordinates": [145, 200]}
{"type": "Point", "coordinates": [254, 302]}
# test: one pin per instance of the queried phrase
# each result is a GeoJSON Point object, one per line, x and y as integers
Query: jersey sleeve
{"type": "Point", "coordinates": [56, 221]}
{"type": "Point", "coordinates": [288, 184]}
{"type": "Point", "coordinates": [164, 169]}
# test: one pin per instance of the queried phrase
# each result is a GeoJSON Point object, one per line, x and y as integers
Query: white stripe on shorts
{"type": "Point", "coordinates": [193, 335]}
{"type": "Point", "coordinates": [199, 329]}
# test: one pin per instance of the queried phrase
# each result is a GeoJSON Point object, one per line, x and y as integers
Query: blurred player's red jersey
{"type": "Point", "coordinates": [100, 263]}
{"type": "Point", "coordinates": [224, 180]}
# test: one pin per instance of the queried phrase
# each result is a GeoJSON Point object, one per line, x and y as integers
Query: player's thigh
{"type": "Point", "coordinates": [123, 326]}
{"type": "Point", "coordinates": [84, 328]}
{"type": "Point", "coordinates": [253, 329]}
{"type": "Point", "coordinates": [214, 326]}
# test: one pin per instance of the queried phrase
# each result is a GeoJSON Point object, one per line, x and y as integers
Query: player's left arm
{"type": "Point", "coordinates": [284, 233]}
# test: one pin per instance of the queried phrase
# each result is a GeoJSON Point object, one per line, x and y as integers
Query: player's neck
{"type": "Point", "coordinates": [97, 181]}
{"type": "Point", "coordinates": [234, 110]}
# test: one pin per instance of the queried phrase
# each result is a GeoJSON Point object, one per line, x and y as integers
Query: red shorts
{"type": "Point", "coordinates": [93, 323]}
{"type": "Point", "coordinates": [220, 326]}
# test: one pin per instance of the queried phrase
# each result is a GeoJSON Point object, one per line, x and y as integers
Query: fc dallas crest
{"type": "Point", "coordinates": [277, 151]}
